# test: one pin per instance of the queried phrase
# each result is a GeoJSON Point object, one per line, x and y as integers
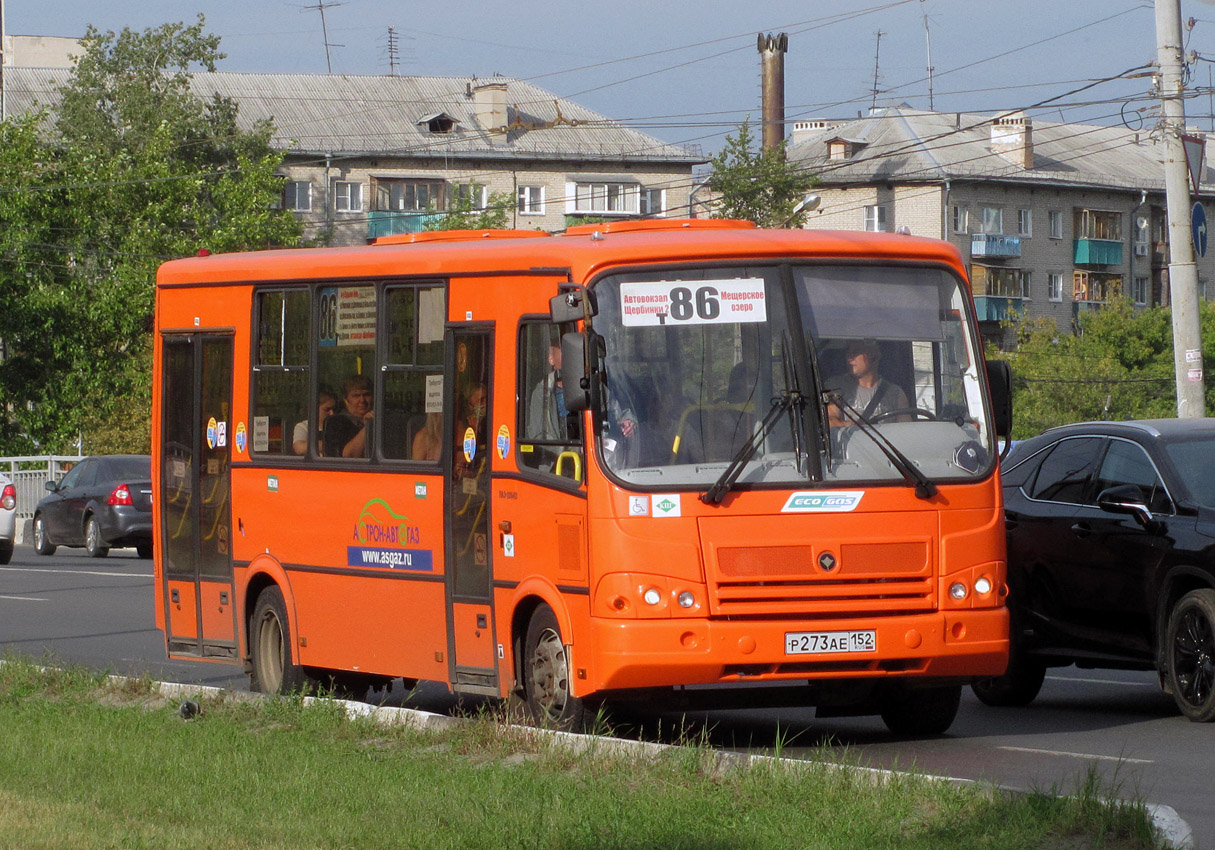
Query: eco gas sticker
{"type": "Point", "coordinates": [665, 505]}
{"type": "Point", "coordinates": [241, 438]}
{"type": "Point", "coordinates": [470, 444]}
{"type": "Point", "coordinates": [503, 442]}
{"type": "Point", "coordinates": [211, 428]}
{"type": "Point", "coordinates": [823, 502]}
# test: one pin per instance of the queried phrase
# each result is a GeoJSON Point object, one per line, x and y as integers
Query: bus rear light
{"type": "Point", "coordinates": [8, 500]}
{"type": "Point", "coordinates": [120, 496]}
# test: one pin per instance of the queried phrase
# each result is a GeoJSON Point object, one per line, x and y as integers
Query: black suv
{"type": "Point", "coordinates": [1111, 557]}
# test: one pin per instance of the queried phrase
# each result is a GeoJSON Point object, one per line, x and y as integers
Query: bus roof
{"type": "Point", "coordinates": [583, 250]}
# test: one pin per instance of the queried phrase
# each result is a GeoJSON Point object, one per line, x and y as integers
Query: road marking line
{"type": "Point", "coordinates": [1102, 681]}
{"type": "Point", "coordinates": [73, 572]}
{"type": "Point", "coordinates": [25, 598]}
{"type": "Point", "coordinates": [1077, 755]}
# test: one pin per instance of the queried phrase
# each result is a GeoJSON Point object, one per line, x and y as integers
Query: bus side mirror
{"type": "Point", "coordinates": [579, 375]}
{"type": "Point", "coordinates": [572, 306]}
{"type": "Point", "coordinates": [999, 380]}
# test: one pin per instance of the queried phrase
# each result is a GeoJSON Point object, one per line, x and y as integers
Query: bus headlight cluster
{"type": "Point", "coordinates": [960, 590]}
{"type": "Point", "coordinates": [648, 596]}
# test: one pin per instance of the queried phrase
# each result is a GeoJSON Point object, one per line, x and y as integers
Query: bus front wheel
{"type": "Point", "coordinates": [546, 675]}
{"type": "Point", "coordinates": [918, 712]}
{"type": "Point", "coordinates": [274, 671]}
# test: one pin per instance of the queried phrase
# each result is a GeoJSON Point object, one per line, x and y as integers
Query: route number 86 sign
{"type": "Point", "coordinates": [693, 302]}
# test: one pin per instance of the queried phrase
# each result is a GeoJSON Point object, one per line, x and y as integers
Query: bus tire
{"type": "Point", "coordinates": [546, 675]}
{"type": "Point", "coordinates": [1190, 644]}
{"type": "Point", "coordinates": [1018, 686]}
{"type": "Point", "coordinates": [918, 712]}
{"type": "Point", "coordinates": [273, 669]}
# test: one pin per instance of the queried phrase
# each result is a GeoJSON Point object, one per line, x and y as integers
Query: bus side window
{"type": "Point", "coordinates": [346, 362]}
{"type": "Point", "coordinates": [412, 426]}
{"type": "Point", "coordinates": [280, 370]}
{"type": "Point", "coordinates": [550, 439]}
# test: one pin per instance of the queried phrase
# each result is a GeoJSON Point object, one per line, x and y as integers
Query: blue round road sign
{"type": "Point", "coordinates": [1198, 229]}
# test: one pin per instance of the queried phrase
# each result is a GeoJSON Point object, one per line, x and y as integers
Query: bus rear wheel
{"type": "Point", "coordinates": [917, 712]}
{"type": "Point", "coordinates": [546, 675]}
{"type": "Point", "coordinates": [274, 671]}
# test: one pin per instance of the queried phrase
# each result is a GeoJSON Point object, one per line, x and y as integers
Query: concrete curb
{"type": "Point", "coordinates": [1172, 829]}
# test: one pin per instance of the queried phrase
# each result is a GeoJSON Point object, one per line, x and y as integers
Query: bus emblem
{"type": "Point", "coordinates": [823, 501]}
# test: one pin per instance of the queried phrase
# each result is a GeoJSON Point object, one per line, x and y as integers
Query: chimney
{"type": "Point", "coordinates": [489, 106]}
{"type": "Point", "coordinates": [772, 49]}
{"type": "Point", "coordinates": [1012, 138]}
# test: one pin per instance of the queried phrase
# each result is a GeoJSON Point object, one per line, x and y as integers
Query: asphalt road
{"type": "Point", "coordinates": [98, 612]}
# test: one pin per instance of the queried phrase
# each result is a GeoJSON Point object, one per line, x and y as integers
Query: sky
{"type": "Point", "coordinates": [687, 71]}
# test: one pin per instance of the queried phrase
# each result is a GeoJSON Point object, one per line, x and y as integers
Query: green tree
{"type": "Point", "coordinates": [1118, 366]}
{"type": "Point", "coordinates": [129, 169]}
{"type": "Point", "coordinates": [464, 214]}
{"type": "Point", "coordinates": [758, 185]}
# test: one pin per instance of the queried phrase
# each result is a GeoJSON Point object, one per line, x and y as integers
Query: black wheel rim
{"type": "Point", "coordinates": [1194, 657]}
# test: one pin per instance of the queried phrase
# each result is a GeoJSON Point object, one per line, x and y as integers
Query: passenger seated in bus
{"type": "Point", "coordinates": [348, 434]}
{"type": "Point", "coordinates": [863, 387]}
{"type": "Point", "coordinates": [324, 409]}
{"type": "Point", "coordinates": [547, 417]}
{"type": "Point", "coordinates": [428, 442]}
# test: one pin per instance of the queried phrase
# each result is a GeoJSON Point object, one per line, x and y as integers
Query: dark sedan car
{"type": "Point", "coordinates": [102, 503]}
{"type": "Point", "coordinates": [1111, 557]}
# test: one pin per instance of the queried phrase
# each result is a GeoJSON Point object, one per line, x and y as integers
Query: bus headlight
{"type": "Point", "coordinates": [686, 599]}
{"type": "Point", "coordinates": [957, 590]}
{"type": "Point", "coordinates": [652, 596]}
{"type": "Point", "coordinates": [983, 586]}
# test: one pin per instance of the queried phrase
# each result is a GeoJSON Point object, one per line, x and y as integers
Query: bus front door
{"type": "Point", "coordinates": [195, 529]}
{"type": "Point", "coordinates": [470, 626]}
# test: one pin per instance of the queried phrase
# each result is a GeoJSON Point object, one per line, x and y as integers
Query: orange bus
{"type": "Point", "coordinates": [635, 460]}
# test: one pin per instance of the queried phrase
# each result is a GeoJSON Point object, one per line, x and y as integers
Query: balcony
{"type": "Point", "coordinates": [1082, 308]}
{"type": "Point", "coordinates": [384, 223]}
{"type": "Point", "coordinates": [991, 246]}
{"type": "Point", "coordinates": [998, 308]}
{"type": "Point", "coordinates": [1098, 252]}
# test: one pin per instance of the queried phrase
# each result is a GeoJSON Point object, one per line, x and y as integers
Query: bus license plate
{"type": "Point", "coordinates": [813, 643]}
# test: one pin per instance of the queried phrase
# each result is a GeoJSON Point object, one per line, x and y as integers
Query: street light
{"type": "Point", "coordinates": [807, 204]}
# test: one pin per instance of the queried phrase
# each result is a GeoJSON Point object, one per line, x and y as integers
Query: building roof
{"type": "Point", "coordinates": [912, 145]}
{"type": "Point", "coordinates": [318, 114]}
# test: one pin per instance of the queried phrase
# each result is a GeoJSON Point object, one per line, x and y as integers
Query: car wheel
{"type": "Point", "coordinates": [918, 712]}
{"type": "Point", "coordinates": [274, 671]}
{"type": "Point", "coordinates": [42, 543]}
{"type": "Point", "coordinates": [546, 675]}
{"type": "Point", "coordinates": [6, 551]}
{"type": "Point", "coordinates": [1019, 684]}
{"type": "Point", "coordinates": [144, 550]}
{"type": "Point", "coordinates": [93, 544]}
{"type": "Point", "coordinates": [1190, 642]}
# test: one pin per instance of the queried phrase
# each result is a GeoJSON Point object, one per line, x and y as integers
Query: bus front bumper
{"type": "Point", "coordinates": [961, 645]}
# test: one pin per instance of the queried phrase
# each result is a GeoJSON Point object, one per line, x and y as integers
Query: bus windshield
{"type": "Point", "coordinates": [697, 358]}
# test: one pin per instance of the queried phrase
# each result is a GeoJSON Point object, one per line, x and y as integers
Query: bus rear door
{"type": "Point", "coordinates": [195, 509]}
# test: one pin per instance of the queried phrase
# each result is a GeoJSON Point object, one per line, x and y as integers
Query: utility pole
{"type": "Point", "coordinates": [1183, 272]}
{"type": "Point", "coordinates": [3, 59]}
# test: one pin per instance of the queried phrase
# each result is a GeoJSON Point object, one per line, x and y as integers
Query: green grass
{"type": "Point", "coordinates": [85, 763]}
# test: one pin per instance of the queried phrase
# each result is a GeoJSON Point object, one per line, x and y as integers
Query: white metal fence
{"type": "Point", "coordinates": [30, 474]}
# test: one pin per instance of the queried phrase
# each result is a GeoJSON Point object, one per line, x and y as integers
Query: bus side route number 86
{"type": "Point", "coordinates": [693, 302]}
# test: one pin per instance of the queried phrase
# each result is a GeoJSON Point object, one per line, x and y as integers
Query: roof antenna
{"type": "Point", "coordinates": [928, 39]}
{"type": "Point", "coordinates": [877, 51]}
{"type": "Point", "coordinates": [321, 6]}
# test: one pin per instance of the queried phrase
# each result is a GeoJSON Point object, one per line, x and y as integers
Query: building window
{"type": "Point", "coordinates": [1025, 223]}
{"type": "Point", "coordinates": [1056, 224]}
{"type": "Point", "coordinates": [1001, 282]}
{"type": "Point", "coordinates": [531, 200]}
{"type": "Point", "coordinates": [469, 196]}
{"type": "Point", "coordinates": [1054, 286]}
{"type": "Point", "coordinates": [653, 201]}
{"type": "Point", "coordinates": [402, 195]}
{"type": "Point", "coordinates": [1093, 286]}
{"type": "Point", "coordinates": [959, 219]}
{"type": "Point", "coordinates": [875, 218]}
{"type": "Point", "coordinates": [347, 196]}
{"type": "Point", "coordinates": [993, 220]}
{"type": "Point", "coordinates": [1139, 290]}
{"type": "Point", "coordinates": [297, 196]}
{"type": "Point", "coordinates": [1098, 224]}
{"type": "Point", "coordinates": [598, 198]}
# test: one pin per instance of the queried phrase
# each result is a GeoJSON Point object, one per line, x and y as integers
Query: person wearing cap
{"type": "Point", "coordinates": [863, 387]}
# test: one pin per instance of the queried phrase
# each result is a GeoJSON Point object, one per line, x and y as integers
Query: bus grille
{"type": "Point", "coordinates": [789, 580]}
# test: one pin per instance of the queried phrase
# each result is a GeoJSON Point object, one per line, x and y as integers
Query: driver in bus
{"type": "Point", "coordinates": [863, 387]}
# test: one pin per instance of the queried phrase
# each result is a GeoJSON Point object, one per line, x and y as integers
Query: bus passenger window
{"type": "Point", "coordinates": [280, 370]}
{"type": "Point", "coordinates": [346, 339]}
{"type": "Point", "coordinates": [550, 438]}
{"type": "Point", "coordinates": [412, 427]}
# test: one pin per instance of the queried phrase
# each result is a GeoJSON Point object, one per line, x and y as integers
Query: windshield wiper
{"type": "Point", "coordinates": [924, 488]}
{"type": "Point", "coordinates": [790, 401]}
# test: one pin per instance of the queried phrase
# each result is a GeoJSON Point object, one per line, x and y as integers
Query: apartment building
{"type": "Point", "coordinates": [1053, 218]}
{"type": "Point", "coordinates": [369, 156]}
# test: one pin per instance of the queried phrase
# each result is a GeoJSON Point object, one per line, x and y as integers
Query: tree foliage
{"type": "Point", "coordinates": [464, 214]}
{"type": "Point", "coordinates": [1119, 366]}
{"type": "Point", "coordinates": [127, 170]}
{"type": "Point", "coordinates": [758, 185]}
